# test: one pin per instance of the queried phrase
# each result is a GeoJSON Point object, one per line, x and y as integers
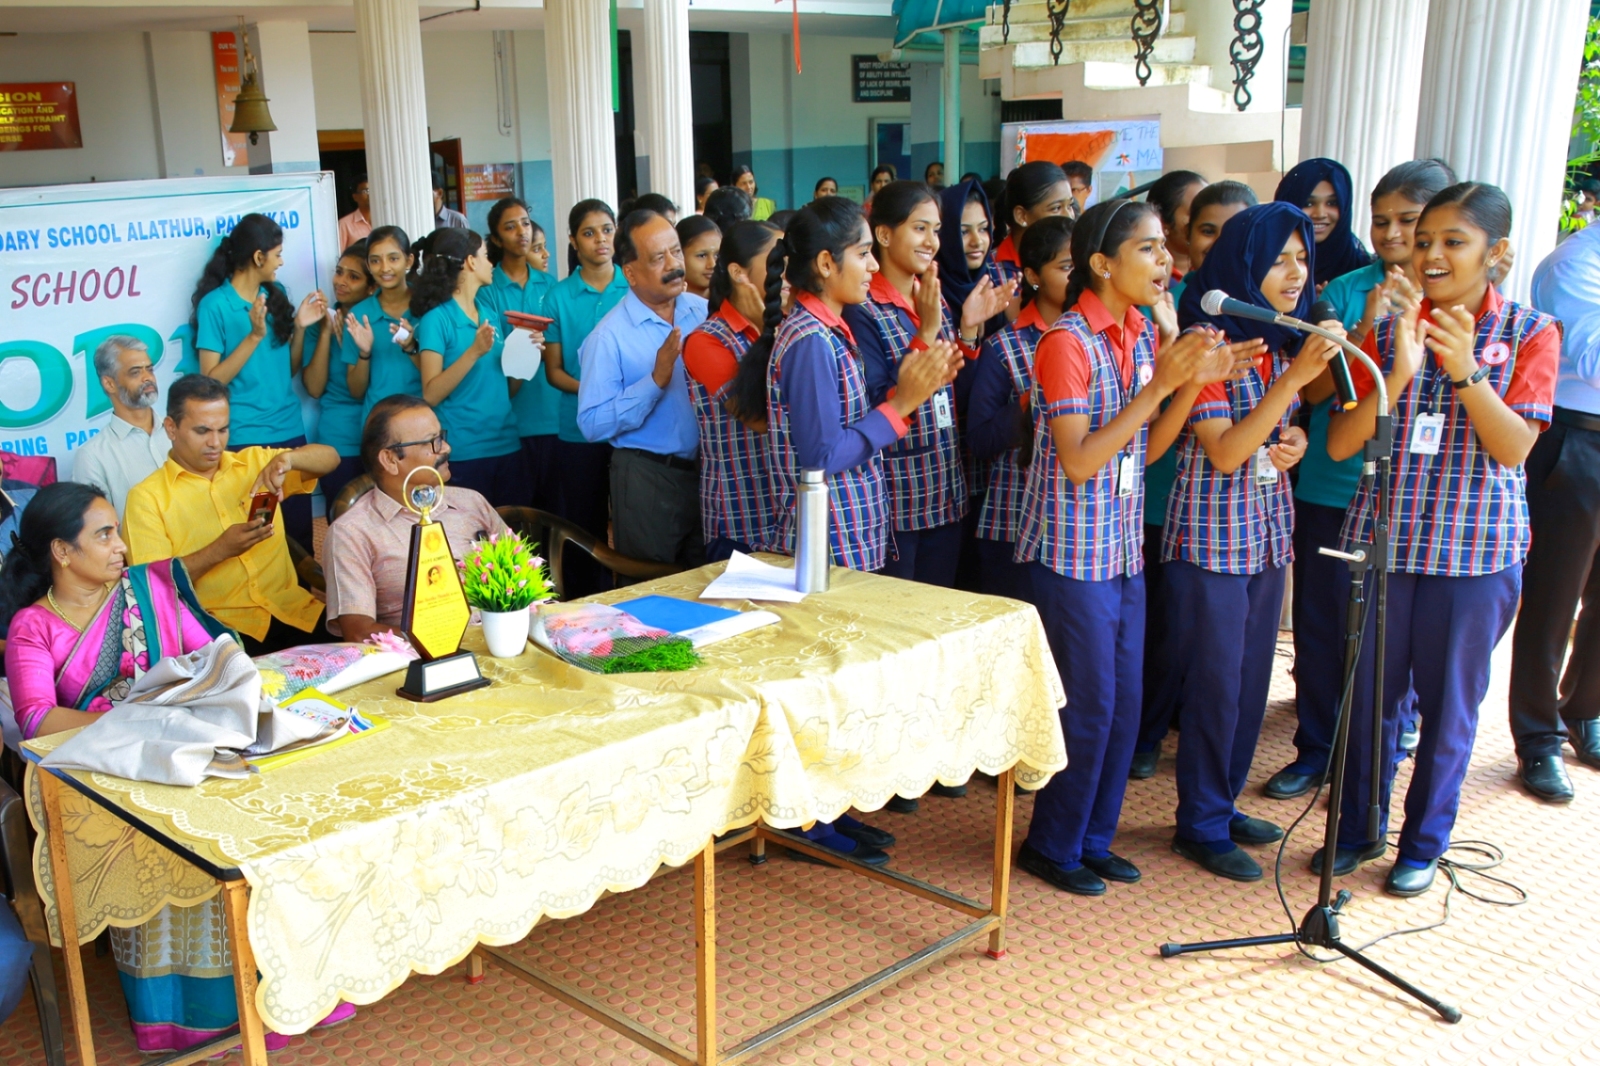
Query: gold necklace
{"type": "Point", "coordinates": [50, 596]}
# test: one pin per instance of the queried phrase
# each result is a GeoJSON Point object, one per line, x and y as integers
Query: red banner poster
{"type": "Point", "coordinates": [225, 63]}
{"type": "Point", "coordinates": [39, 115]}
{"type": "Point", "coordinates": [490, 181]}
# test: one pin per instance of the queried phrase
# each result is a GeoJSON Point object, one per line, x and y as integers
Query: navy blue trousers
{"type": "Point", "coordinates": [1162, 680]}
{"type": "Point", "coordinates": [1321, 594]}
{"type": "Point", "coordinates": [1001, 574]}
{"type": "Point", "coordinates": [350, 467]}
{"type": "Point", "coordinates": [1224, 630]}
{"type": "Point", "coordinates": [1096, 633]}
{"type": "Point", "coordinates": [543, 457]}
{"type": "Point", "coordinates": [720, 548]}
{"type": "Point", "coordinates": [585, 499]}
{"type": "Point", "coordinates": [926, 555]}
{"type": "Point", "coordinates": [500, 479]}
{"type": "Point", "coordinates": [1441, 633]}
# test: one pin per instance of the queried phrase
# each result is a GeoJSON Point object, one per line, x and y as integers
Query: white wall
{"type": "Point", "coordinates": [186, 106]}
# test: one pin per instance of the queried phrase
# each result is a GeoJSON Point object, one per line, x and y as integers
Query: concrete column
{"type": "Point", "coordinates": [283, 55]}
{"type": "Point", "coordinates": [952, 105]}
{"type": "Point", "coordinates": [577, 46]}
{"type": "Point", "coordinates": [1498, 82]}
{"type": "Point", "coordinates": [394, 110]}
{"type": "Point", "coordinates": [1361, 89]}
{"type": "Point", "coordinates": [669, 136]}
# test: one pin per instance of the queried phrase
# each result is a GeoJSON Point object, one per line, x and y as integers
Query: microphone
{"type": "Point", "coordinates": [1217, 302]}
{"type": "Point", "coordinates": [1338, 366]}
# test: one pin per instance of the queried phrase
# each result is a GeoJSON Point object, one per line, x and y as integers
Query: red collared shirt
{"type": "Point", "coordinates": [707, 359]}
{"type": "Point", "coordinates": [1062, 366]}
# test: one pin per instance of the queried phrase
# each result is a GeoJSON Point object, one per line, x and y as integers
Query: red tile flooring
{"type": "Point", "coordinates": [1083, 982]}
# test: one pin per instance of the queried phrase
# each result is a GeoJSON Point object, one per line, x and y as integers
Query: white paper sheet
{"type": "Point", "coordinates": [521, 357]}
{"type": "Point", "coordinates": [750, 579]}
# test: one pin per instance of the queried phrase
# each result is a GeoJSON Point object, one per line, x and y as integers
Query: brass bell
{"type": "Point", "coordinates": [250, 114]}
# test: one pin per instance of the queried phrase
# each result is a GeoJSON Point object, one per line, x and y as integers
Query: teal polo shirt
{"type": "Point", "coordinates": [1323, 481]}
{"type": "Point", "coordinates": [537, 403]}
{"type": "Point", "coordinates": [264, 406]}
{"type": "Point", "coordinates": [392, 372]}
{"type": "Point", "coordinates": [340, 422]}
{"type": "Point", "coordinates": [477, 413]}
{"type": "Point", "coordinates": [577, 308]}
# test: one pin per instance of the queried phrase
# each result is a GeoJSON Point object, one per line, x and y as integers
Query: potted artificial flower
{"type": "Point", "coordinates": [503, 579]}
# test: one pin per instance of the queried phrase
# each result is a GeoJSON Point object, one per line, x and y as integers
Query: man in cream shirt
{"type": "Point", "coordinates": [129, 448]}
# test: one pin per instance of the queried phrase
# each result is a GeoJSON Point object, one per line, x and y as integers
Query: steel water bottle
{"type": "Point", "coordinates": [813, 556]}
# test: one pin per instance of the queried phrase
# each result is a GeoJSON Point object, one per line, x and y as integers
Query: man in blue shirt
{"type": "Point", "coordinates": [632, 394]}
{"type": "Point", "coordinates": [1563, 473]}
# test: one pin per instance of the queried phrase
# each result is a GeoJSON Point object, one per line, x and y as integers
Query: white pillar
{"type": "Point", "coordinates": [583, 152]}
{"type": "Point", "coordinates": [669, 137]}
{"type": "Point", "coordinates": [1498, 82]}
{"type": "Point", "coordinates": [1361, 102]}
{"type": "Point", "coordinates": [952, 105]}
{"type": "Point", "coordinates": [394, 110]}
{"type": "Point", "coordinates": [283, 55]}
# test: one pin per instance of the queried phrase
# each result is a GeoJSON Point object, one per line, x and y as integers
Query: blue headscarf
{"type": "Point", "coordinates": [1249, 244]}
{"type": "Point", "coordinates": [1341, 251]}
{"type": "Point", "coordinates": [956, 281]}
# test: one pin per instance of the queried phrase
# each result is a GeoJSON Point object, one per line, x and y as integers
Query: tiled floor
{"type": "Point", "coordinates": [1083, 982]}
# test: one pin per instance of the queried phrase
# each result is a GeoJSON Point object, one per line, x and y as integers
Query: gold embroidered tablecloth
{"type": "Point", "coordinates": [471, 819]}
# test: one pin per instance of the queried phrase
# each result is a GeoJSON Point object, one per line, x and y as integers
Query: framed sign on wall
{"type": "Point", "coordinates": [39, 115]}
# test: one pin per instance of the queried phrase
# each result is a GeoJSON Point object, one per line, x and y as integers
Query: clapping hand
{"type": "Point", "coordinates": [360, 332]}
{"type": "Point", "coordinates": [311, 309]}
{"type": "Point", "coordinates": [984, 302]}
{"type": "Point", "coordinates": [1290, 449]}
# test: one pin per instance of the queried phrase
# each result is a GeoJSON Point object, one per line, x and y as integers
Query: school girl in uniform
{"type": "Point", "coordinates": [805, 376]}
{"type": "Point", "coordinates": [999, 425]}
{"type": "Point", "coordinates": [735, 500]}
{"type": "Point", "coordinates": [1096, 385]}
{"type": "Point", "coordinates": [458, 346]}
{"type": "Point", "coordinates": [252, 339]}
{"type": "Point", "coordinates": [905, 312]}
{"type": "Point", "coordinates": [1324, 489]}
{"type": "Point", "coordinates": [379, 352]}
{"type": "Point", "coordinates": [1037, 189]}
{"type": "Point", "coordinates": [575, 305]}
{"type": "Point", "coordinates": [1471, 380]}
{"type": "Point", "coordinates": [339, 425]}
{"type": "Point", "coordinates": [1209, 211]}
{"type": "Point", "coordinates": [700, 238]}
{"type": "Point", "coordinates": [1172, 194]}
{"type": "Point", "coordinates": [522, 280]}
{"type": "Point", "coordinates": [1322, 188]}
{"type": "Point", "coordinates": [1229, 523]}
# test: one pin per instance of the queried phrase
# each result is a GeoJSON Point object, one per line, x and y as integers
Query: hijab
{"type": "Point", "coordinates": [1342, 251]}
{"type": "Point", "coordinates": [955, 279]}
{"type": "Point", "coordinates": [1249, 244]}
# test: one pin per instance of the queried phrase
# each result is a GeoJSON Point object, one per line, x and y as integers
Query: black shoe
{"type": "Point", "coordinates": [1584, 736]}
{"type": "Point", "coordinates": [862, 853]}
{"type": "Point", "coordinates": [1080, 881]}
{"type": "Point", "coordinates": [1345, 860]}
{"type": "Point", "coordinates": [901, 805]}
{"type": "Point", "coordinates": [1235, 865]}
{"type": "Point", "coordinates": [1248, 830]}
{"type": "Point", "coordinates": [862, 833]}
{"type": "Point", "coordinates": [948, 791]}
{"type": "Point", "coordinates": [1410, 881]}
{"type": "Point", "coordinates": [1143, 765]}
{"type": "Point", "coordinates": [1289, 782]}
{"type": "Point", "coordinates": [1114, 867]}
{"type": "Point", "coordinates": [1546, 777]}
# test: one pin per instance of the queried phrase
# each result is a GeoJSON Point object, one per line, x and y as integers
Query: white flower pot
{"type": "Point", "coordinates": [506, 632]}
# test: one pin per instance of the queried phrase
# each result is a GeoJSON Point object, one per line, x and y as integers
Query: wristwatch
{"type": "Point", "coordinates": [1477, 376]}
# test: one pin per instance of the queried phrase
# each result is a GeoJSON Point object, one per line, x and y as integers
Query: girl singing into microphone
{"type": "Point", "coordinates": [1229, 522]}
{"type": "Point", "coordinates": [1471, 381]}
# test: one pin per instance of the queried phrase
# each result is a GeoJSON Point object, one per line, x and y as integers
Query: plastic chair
{"type": "Point", "coordinates": [17, 852]}
{"type": "Point", "coordinates": [555, 533]}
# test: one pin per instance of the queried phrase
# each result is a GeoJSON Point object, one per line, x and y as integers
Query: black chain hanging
{"type": "Point", "coordinates": [1145, 27]}
{"type": "Point", "coordinates": [1005, 22]}
{"type": "Point", "coordinates": [1058, 17]}
{"type": "Point", "coordinates": [1246, 48]}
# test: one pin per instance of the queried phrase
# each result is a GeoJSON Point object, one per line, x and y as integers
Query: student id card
{"type": "Point", "coordinates": [1266, 473]}
{"type": "Point", "coordinates": [1426, 433]}
{"type": "Point", "coordinates": [1127, 476]}
{"type": "Point", "coordinates": [941, 410]}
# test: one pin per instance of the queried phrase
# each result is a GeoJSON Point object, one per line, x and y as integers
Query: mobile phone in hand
{"type": "Point", "coordinates": [263, 503]}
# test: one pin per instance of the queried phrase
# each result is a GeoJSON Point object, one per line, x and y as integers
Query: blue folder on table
{"type": "Point", "coordinates": [700, 622]}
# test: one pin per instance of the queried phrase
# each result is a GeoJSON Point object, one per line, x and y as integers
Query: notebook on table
{"type": "Point", "coordinates": [702, 623]}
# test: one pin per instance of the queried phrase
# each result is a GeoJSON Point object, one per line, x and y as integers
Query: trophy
{"type": "Point", "coordinates": [435, 613]}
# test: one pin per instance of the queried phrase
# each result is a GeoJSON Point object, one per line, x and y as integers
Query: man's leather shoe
{"type": "Point", "coordinates": [1289, 782]}
{"type": "Point", "coordinates": [1143, 765]}
{"type": "Point", "coordinates": [860, 853]}
{"type": "Point", "coordinates": [1235, 865]}
{"type": "Point", "coordinates": [1113, 867]}
{"type": "Point", "coordinates": [948, 791]}
{"type": "Point", "coordinates": [901, 805]}
{"type": "Point", "coordinates": [1248, 830]}
{"type": "Point", "coordinates": [1584, 736]}
{"type": "Point", "coordinates": [862, 833]}
{"type": "Point", "coordinates": [1546, 777]}
{"type": "Point", "coordinates": [1409, 881]}
{"type": "Point", "coordinates": [1080, 881]}
{"type": "Point", "coordinates": [1345, 860]}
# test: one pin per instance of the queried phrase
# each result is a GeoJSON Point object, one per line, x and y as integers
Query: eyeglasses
{"type": "Point", "coordinates": [437, 443]}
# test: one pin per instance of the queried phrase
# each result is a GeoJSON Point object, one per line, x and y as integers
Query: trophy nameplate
{"type": "Point", "coordinates": [435, 613]}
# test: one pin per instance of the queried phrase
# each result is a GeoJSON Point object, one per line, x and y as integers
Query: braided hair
{"type": "Point", "coordinates": [747, 398]}
{"type": "Point", "coordinates": [741, 244]}
{"type": "Point", "coordinates": [445, 252]}
{"type": "Point", "coordinates": [235, 253]}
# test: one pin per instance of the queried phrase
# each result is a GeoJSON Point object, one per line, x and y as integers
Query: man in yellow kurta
{"type": "Point", "coordinates": [196, 506]}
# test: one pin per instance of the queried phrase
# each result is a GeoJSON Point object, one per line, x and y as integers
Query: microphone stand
{"type": "Point", "coordinates": [1320, 926]}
